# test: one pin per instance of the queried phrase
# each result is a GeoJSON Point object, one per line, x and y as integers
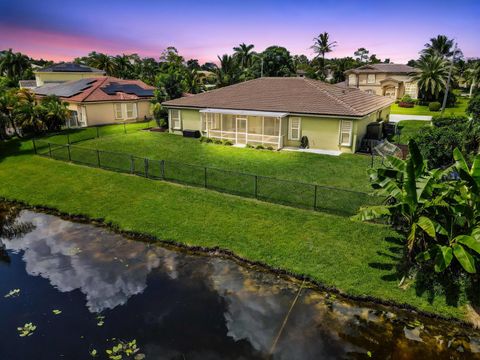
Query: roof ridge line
{"type": "Point", "coordinates": [310, 81]}
{"type": "Point", "coordinates": [95, 87]}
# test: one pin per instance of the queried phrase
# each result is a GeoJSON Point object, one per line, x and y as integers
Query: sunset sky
{"type": "Point", "coordinates": [62, 30]}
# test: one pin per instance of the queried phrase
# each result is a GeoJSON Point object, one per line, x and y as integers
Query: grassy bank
{"type": "Point", "coordinates": [408, 128]}
{"type": "Point", "coordinates": [357, 258]}
{"type": "Point", "coordinates": [344, 171]}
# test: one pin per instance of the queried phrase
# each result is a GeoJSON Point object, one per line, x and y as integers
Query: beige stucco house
{"type": "Point", "coordinates": [64, 72]}
{"type": "Point", "coordinates": [101, 100]}
{"type": "Point", "coordinates": [278, 112]}
{"type": "Point", "coordinates": [391, 80]}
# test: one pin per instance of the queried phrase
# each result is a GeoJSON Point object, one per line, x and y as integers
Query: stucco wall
{"type": "Point", "coordinates": [42, 78]}
{"type": "Point", "coordinates": [104, 113]}
{"type": "Point", "coordinates": [377, 87]}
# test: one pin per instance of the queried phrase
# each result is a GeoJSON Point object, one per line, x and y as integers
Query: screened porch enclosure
{"type": "Point", "coordinates": [245, 127]}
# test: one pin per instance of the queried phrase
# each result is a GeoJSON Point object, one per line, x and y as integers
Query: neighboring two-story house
{"type": "Point", "coordinates": [392, 80]}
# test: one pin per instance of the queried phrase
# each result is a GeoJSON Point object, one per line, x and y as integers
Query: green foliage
{"type": "Point", "coordinates": [431, 76]}
{"type": "Point", "coordinates": [277, 61]}
{"type": "Point", "coordinates": [439, 214]}
{"type": "Point", "coordinates": [125, 350]}
{"type": "Point", "coordinates": [217, 141]}
{"type": "Point", "coordinates": [227, 142]}
{"type": "Point", "coordinates": [26, 330]}
{"type": "Point", "coordinates": [437, 142]}
{"type": "Point", "coordinates": [259, 147]}
{"type": "Point", "coordinates": [434, 106]}
{"type": "Point", "coordinates": [473, 108]}
{"type": "Point", "coordinates": [407, 99]}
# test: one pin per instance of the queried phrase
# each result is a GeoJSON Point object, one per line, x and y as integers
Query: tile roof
{"type": "Point", "coordinates": [289, 94]}
{"type": "Point", "coordinates": [70, 67]}
{"type": "Point", "coordinates": [383, 68]}
{"type": "Point", "coordinates": [98, 89]}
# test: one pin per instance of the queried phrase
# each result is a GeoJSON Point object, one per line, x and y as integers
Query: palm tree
{"type": "Point", "coordinates": [103, 62]}
{"type": "Point", "coordinates": [244, 54]}
{"type": "Point", "coordinates": [123, 66]}
{"type": "Point", "coordinates": [228, 72]}
{"type": "Point", "coordinates": [432, 75]}
{"type": "Point", "coordinates": [25, 112]}
{"type": "Point", "coordinates": [321, 46]}
{"type": "Point", "coordinates": [441, 46]}
{"type": "Point", "coordinates": [8, 105]}
{"type": "Point", "coordinates": [13, 65]}
{"type": "Point", "coordinates": [472, 74]}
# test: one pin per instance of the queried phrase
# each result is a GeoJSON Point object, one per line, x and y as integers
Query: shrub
{"type": "Point", "coordinates": [227, 142]}
{"type": "Point", "coordinates": [407, 99]}
{"type": "Point", "coordinates": [473, 108]}
{"type": "Point", "coordinates": [260, 147]}
{"type": "Point", "coordinates": [450, 120]}
{"type": "Point", "coordinates": [250, 146]}
{"type": "Point", "coordinates": [217, 141]}
{"type": "Point", "coordinates": [270, 148]}
{"type": "Point", "coordinates": [406, 104]}
{"type": "Point", "coordinates": [434, 106]}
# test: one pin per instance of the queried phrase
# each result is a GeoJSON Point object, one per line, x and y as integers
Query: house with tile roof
{"type": "Point", "coordinates": [391, 80]}
{"type": "Point", "coordinates": [278, 112]}
{"type": "Point", "coordinates": [63, 72]}
{"type": "Point", "coordinates": [101, 100]}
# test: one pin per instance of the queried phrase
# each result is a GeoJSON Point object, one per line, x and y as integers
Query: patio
{"type": "Point", "coordinates": [245, 127]}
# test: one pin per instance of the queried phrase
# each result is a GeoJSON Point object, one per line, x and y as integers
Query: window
{"type": "Point", "coordinates": [118, 111]}
{"type": "Point", "coordinates": [294, 128]}
{"type": "Point", "coordinates": [411, 89]}
{"type": "Point", "coordinates": [125, 111]}
{"type": "Point", "coordinates": [346, 127]}
{"type": "Point", "coordinates": [352, 80]}
{"type": "Point", "coordinates": [130, 110]}
{"type": "Point", "coordinates": [371, 78]}
{"type": "Point", "coordinates": [175, 119]}
{"type": "Point", "coordinates": [369, 91]}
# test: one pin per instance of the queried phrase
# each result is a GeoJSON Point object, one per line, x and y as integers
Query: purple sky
{"type": "Point", "coordinates": [62, 30]}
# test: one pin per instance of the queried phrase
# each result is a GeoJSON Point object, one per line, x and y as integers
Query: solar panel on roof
{"type": "Point", "coordinates": [67, 89]}
{"type": "Point", "coordinates": [113, 88]}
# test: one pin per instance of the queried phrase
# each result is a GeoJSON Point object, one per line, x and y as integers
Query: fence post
{"type": "Point", "coordinates": [98, 133]}
{"type": "Point", "coordinates": [34, 146]}
{"type": "Point", "coordinates": [69, 154]}
{"type": "Point", "coordinates": [255, 187]}
{"type": "Point", "coordinates": [205, 182]}
{"type": "Point", "coordinates": [132, 164]}
{"type": "Point", "coordinates": [98, 158]}
{"type": "Point", "coordinates": [50, 149]}
{"type": "Point", "coordinates": [162, 164]}
{"type": "Point", "coordinates": [315, 199]}
{"type": "Point", "coordinates": [145, 160]}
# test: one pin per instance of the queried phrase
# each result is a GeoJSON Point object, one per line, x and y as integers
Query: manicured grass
{"type": "Point", "coordinates": [408, 128]}
{"type": "Point", "coordinates": [345, 171]}
{"type": "Point", "coordinates": [459, 109]}
{"type": "Point", "coordinates": [357, 258]}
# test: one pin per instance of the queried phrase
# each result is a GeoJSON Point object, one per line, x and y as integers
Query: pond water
{"type": "Point", "coordinates": [178, 305]}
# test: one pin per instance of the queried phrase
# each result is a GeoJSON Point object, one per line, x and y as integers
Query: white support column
{"type": "Point", "coordinates": [206, 124]}
{"type": "Point", "coordinates": [280, 133]}
{"type": "Point", "coordinates": [246, 131]}
{"type": "Point", "coordinates": [263, 128]}
{"type": "Point", "coordinates": [221, 126]}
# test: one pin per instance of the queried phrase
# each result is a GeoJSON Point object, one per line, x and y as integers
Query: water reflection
{"type": "Point", "coordinates": [179, 305]}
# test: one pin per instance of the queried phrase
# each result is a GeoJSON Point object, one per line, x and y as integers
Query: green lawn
{"type": "Point", "coordinates": [346, 171]}
{"type": "Point", "coordinates": [459, 109]}
{"type": "Point", "coordinates": [357, 258]}
{"type": "Point", "coordinates": [408, 128]}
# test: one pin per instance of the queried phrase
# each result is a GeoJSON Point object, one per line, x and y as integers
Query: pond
{"type": "Point", "coordinates": [86, 289]}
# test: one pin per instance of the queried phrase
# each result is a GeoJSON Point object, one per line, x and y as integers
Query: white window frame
{"type": "Point", "coordinates": [133, 111]}
{"type": "Point", "coordinates": [291, 128]}
{"type": "Point", "coordinates": [369, 77]}
{"type": "Point", "coordinates": [354, 78]}
{"type": "Point", "coordinates": [118, 109]}
{"type": "Point", "coordinates": [176, 121]}
{"type": "Point", "coordinates": [346, 127]}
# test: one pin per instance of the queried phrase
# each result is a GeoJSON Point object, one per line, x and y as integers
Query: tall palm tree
{"type": "Point", "coordinates": [13, 65]}
{"type": "Point", "coordinates": [432, 75]}
{"type": "Point", "coordinates": [441, 46]}
{"type": "Point", "coordinates": [321, 46]}
{"type": "Point", "coordinates": [25, 112]}
{"type": "Point", "coordinates": [472, 74]}
{"type": "Point", "coordinates": [243, 53]}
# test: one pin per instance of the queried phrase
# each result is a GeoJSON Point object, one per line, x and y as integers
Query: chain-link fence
{"type": "Point", "coordinates": [72, 136]}
{"type": "Point", "coordinates": [322, 198]}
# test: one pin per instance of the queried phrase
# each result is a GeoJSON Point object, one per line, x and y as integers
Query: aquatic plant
{"type": "Point", "coordinates": [26, 330]}
{"type": "Point", "coordinates": [12, 293]}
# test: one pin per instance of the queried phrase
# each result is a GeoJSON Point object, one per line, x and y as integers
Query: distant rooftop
{"type": "Point", "coordinates": [383, 68]}
{"type": "Point", "coordinates": [27, 84]}
{"type": "Point", "coordinates": [70, 67]}
{"type": "Point", "coordinates": [98, 89]}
